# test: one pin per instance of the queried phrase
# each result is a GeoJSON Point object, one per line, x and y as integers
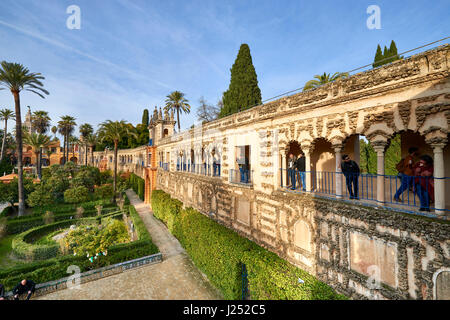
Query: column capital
{"type": "Point", "coordinates": [307, 148]}
{"type": "Point", "coordinates": [438, 145]}
{"type": "Point", "coordinates": [338, 147]}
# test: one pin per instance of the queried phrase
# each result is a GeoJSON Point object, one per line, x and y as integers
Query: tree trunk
{"type": "Point", "coordinates": [64, 150]}
{"type": "Point", "coordinates": [85, 154]}
{"type": "Point", "coordinates": [92, 155]}
{"type": "Point", "coordinates": [38, 162]}
{"type": "Point", "coordinates": [115, 170]}
{"type": "Point", "coordinates": [21, 193]}
{"type": "Point", "coordinates": [4, 140]}
{"type": "Point", "coordinates": [178, 119]}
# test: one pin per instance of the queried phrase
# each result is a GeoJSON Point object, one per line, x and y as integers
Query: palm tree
{"type": "Point", "coordinates": [5, 114]}
{"type": "Point", "coordinates": [177, 102]}
{"type": "Point", "coordinates": [16, 78]}
{"type": "Point", "coordinates": [323, 79]}
{"type": "Point", "coordinates": [114, 131]}
{"type": "Point", "coordinates": [91, 141]}
{"type": "Point", "coordinates": [54, 130]}
{"type": "Point", "coordinates": [85, 130]}
{"type": "Point", "coordinates": [66, 127]}
{"type": "Point", "coordinates": [72, 142]}
{"type": "Point", "coordinates": [40, 122]}
{"type": "Point", "coordinates": [37, 141]}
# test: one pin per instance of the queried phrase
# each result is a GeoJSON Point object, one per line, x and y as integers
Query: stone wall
{"type": "Point", "coordinates": [344, 244]}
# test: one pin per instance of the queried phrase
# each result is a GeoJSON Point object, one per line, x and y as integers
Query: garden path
{"type": "Point", "coordinates": [176, 278]}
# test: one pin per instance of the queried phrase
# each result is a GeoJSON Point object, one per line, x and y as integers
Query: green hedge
{"type": "Point", "coordinates": [220, 252]}
{"type": "Point", "coordinates": [138, 185]}
{"type": "Point", "coordinates": [18, 225]}
{"type": "Point", "coordinates": [65, 208]}
{"type": "Point", "coordinates": [56, 268]}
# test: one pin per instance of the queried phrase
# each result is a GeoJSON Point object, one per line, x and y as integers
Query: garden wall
{"type": "Point", "coordinates": [346, 245]}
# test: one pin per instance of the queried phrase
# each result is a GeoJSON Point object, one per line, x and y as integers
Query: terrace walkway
{"type": "Point", "coordinates": [176, 278]}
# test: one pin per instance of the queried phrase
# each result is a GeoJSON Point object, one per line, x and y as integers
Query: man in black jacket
{"type": "Point", "coordinates": [24, 286]}
{"type": "Point", "coordinates": [350, 169]}
{"type": "Point", "coordinates": [300, 164]}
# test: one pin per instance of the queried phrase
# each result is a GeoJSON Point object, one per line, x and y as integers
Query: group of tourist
{"type": "Point", "coordinates": [296, 171]}
{"type": "Point", "coordinates": [416, 174]}
{"type": "Point", "coordinates": [23, 287]}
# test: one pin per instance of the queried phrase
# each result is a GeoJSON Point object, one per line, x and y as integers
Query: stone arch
{"type": "Point", "coordinates": [441, 284]}
{"type": "Point", "coordinates": [303, 235]}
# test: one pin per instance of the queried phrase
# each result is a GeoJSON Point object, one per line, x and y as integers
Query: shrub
{"type": "Point", "coordinates": [90, 240]}
{"type": "Point", "coordinates": [104, 192]}
{"type": "Point", "coordinates": [41, 196]}
{"type": "Point", "coordinates": [76, 195]}
{"type": "Point", "coordinates": [138, 185]}
{"type": "Point", "coordinates": [220, 253]}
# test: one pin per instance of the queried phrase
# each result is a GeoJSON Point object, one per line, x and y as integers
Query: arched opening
{"type": "Point", "coordinates": [62, 160]}
{"type": "Point", "coordinates": [323, 167]}
{"type": "Point", "coordinates": [74, 159]}
{"type": "Point", "coordinates": [294, 174]}
{"type": "Point", "coordinates": [165, 133]}
{"type": "Point", "coordinates": [45, 162]}
{"type": "Point", "coordinates": [403, 184]}
{"type": "Point", "coordinates": [27, 161]}
{"type": "Point", "coordinates": [215, 162]}
{"type": "Point", "coordinates": [358, 182]}
{"type": "Point", "coordinates": [192, 161]}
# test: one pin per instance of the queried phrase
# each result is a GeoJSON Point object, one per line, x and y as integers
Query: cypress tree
{"type": "Point", "coordinates": [393, 52]}
{"type": "Point", "coordinates": [378, 57]}
{"type": "Point", "coordinates": [145, 118]}
{"type": "Point", "coordinates": [385, 56]}
{"type": "Point", "coordinates": [243, 92]}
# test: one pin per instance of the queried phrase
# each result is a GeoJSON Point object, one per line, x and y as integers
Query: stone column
{"type": "Point", "coordinates": [379, 149]}
{"type": "Point", "coordinates": [439, 181]}
{"type": "Point", "coordinates": [283, 175]}
{"type": "Point", "coordinates": [338, 171]}
{"type": "Point", "coordinates": [308, 175]}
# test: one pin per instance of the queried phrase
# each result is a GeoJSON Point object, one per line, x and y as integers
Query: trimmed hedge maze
{"type": "Point", "coordinates": [220, 253]}
{"type": "Point", "coordinates": [50, 266]}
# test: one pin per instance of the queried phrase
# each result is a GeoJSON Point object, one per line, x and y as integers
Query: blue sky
{"type": "Point", "coordinates": [128, 55]}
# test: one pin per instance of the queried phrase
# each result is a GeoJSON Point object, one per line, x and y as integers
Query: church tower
{"type": "Point", "coordinates": [27, 125]}
{"type": "Point", "coordinates": [160, 126]}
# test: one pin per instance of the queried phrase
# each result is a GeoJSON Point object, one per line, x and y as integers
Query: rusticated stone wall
{"type": "Point", "coordinates": [344, 244]}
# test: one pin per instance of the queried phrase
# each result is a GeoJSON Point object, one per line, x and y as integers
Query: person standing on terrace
{"type": "Point", "coordinates": [423, 181]}
{"type": "Point", "coordinates": [351, 171]}
{"type": "Point", "coordinates": [406, 172]}
{"type": "Point", "coordinates": [300, 164]}
{"type": "Point", "coordinates": [291, 170]}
